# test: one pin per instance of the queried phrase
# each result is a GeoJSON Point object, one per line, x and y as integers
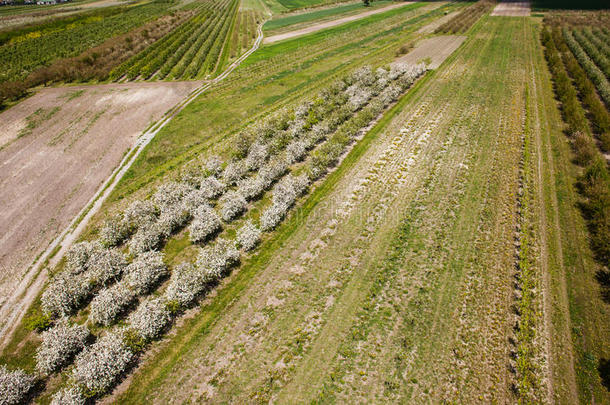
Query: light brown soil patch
{"type": "Point", "coordinates": [512, 9]}
{"type": "Point", "coordinates": [430, 28]}
{"type": "Point", "coordinates": [328, 24]}
{"type": "Point", "coordinates": [49, 170]}
{"type": "Point", "coordinates": [433, 50]}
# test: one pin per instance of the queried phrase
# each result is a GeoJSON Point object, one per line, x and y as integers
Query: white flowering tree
{"type": "Point", "coordinates": [149, 319]}
{"type": "Point", "coordinates": [234, 171]}
{"type": "Point", "coordinates": [256, 156]}
{"type": "Point", "coordinates": [205, 222]}
{"type": "Point", "coordinates": [99, 366]}
{"type": "Point", "coordinates": [59, 345]}
{"type": "Point", "coordinates": [140, 213]}
{"type": "Point", "coordinates": [64, 294]}
{"type": "Point", "coordinates": [114, 231]}
{"type": "Point", "coordinates": [185, 284]}
{"type": "Point", "coordinates": [173, 217]}
{"type": "Point", "coordinates": [105, 265]}
{"type": "Point", "coordinates": [251, 187]}
{"type": "Point", "coordinates": [109, 303]}
{"type": "Point", "coordinates": [213, 165]}
{"type": "Point", "coordinates": [211, 187]}
{"type": "Point", "coordinates": [170, 193]}
{"type": "Point", "coordinates": [142, 275]}
{"type": "Point", "coordinates": [215, 260]}
{"type": "Point", "coordinates": [248, 236]}
{"type": "Point", "coordinates": [296, 151]}
{"type": "Point", "coordinates": [14, 386]}
{"type": "Point", "coordinates": [232, 204]}
{"type": "Point", "coordinates": [193, 200]}
{"type": "Point", "coordinates": [69, 396]}
{"type": "Point", "coordinates": [147, 238]}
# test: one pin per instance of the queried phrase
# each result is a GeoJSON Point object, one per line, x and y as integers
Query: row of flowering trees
{"type": "Point", "coordinates": [114, 274]}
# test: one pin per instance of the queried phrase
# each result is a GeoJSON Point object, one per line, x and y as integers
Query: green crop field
{"type": "Point", "coordinates": [322, 222]}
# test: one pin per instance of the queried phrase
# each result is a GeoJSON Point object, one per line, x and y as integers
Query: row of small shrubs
{"type": "Point", "coordinates": [594, 184]}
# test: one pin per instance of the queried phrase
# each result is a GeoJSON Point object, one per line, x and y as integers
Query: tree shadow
{"type": "Point", "coordinates": [604, 372]}
{"type": "Point", "coordinates": [603, 278]}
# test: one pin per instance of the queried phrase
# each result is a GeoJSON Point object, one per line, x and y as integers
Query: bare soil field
{"type": "Point", "coordinates": [56, 149]}
{"type": "Point", "coordinates": [329, 24]}
{"type": "Point", "coordinates": [430, 28]}
{"type": "Point", "coordinates": [433, 50]}
{"type": "Point", "coordinates": [512, 9]}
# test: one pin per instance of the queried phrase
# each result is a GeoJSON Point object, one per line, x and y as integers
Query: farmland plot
{"type": "Point", "coordinates": [73, 139]}
{"type": "Point", "coordinates": [396, 280]}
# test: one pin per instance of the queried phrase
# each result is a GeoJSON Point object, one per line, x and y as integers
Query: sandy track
{"type": "Point", "coordinates": [512, 9]}
{"type": "Point", "coordinates": [328, 24]}
{"type": "Point", "coordinates": [436, 48]}
{"type": "Point", "coordinates": [56, 149]}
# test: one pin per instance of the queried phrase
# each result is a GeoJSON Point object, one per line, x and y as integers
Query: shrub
{"type": "Point", "coordinates": [14, 386]}
{"type": "Point", "coordinates": [109, 303]}
{"type": "Point", "coordinates": [59, 344]}
{"type": "Point", "coordinates": [149, 319]}
{"type": "Point", "coordinates": [64, 294]}
{"type": "Point", "coordinates": [100, 365]}
{"type": "Point", "coordinates": [172, 218]}
{"type": "Point", "coordinates": [251, 187]}
{"type": "Point", "coordinates": [205, 223]}
{"type": "Point", "coordinates": [147, 238]}
{"type": "Point", "coordinates": [296, 151]}
{"type": "Point", "coordinates": [234, 171]}
{"type": "Point", "coordinates": [170, 193]}
{"type": "Point", "coordinates": [140, 213]}
{"type": "Point", "coordinates": [273, 170]}
{"type": "Point", "coordinates": [105, 265]}
{"type": "Point", "coordinates": [69, 396]}
{"type": "Point", "coordinates": [232, 204]}
{"type": "Point", "coordinates": [37, 322]}
{"type": "Point", "coordinates": [584, 147]}
{"type": "Point", "coordinates": [145, 272]}
{"type": "Point", "coordinates": [256, 156]}
{"type": "Point", "coordinates": [194, 200]}
{"type": "Point", "coordinates": [215, 260]}
{"type": "Point", "coordinates": [211, 187]}
{"type": "Point", "coordinates": [78, 255]}
{"type": "Point", "coordinates": [213, 165]}
{"type": "Point", "coordinates": [248, 236]}
{"type": "Point", "coordinates": [185, 284]}
{"type": "Point", "coordinates": [114, 231]}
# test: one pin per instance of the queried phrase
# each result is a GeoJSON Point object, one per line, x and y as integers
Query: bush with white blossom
{"type": "Point", "coordinates": [248, 236]}
{"type": "Point", "coordinates": [69, 396]}
{"type": "Point", "coordinates": [105, 265]}
{"type": "Point", "coordinates": [232, 204]}
{"type": "Point", "coordinates": [64, 294]}
{"type": "Point", "coordinates": [216, 259]}
{"type": "Point", "coordinates": [78, 255]}
{"type": "Point", "coordinates": [110, 303]}
{"type": "Point", "coordinates": [114, 231]}
{"type": "Point", "coordinates": [170, 193]}
{"type": "Point", "coordinates": [211, 187]}
{"type": "Point", "coordinates": [142, 275]}
{"type": "Point", "coordinates": [59, 344]}
{"type": "Point", "coordinates": [147, 238]}
{"type": "Point", "coordinates": [185, 284]}
{"type": "Point", "coordinates": [140, 213]}
{"type": "Point", "coordinates": [172, 218]}
{"type": "Point", "coordinates": [205, 223]}
{"type": "Point", "coordinates": [194, 200]}
{"type": "Point", "coordinates": [256, 156]}
{"type": "Point", "coordinates": [14, 386]}
{"type": "Point", "coordinates": [99, 366]}
{"type": "Point", "coordinates": [213, 165]}
{"type": "Point", "coordinates": [295, 151]}
{"type": "Point", "coordinates": [251, 187]}
{"type": "Point", "coordinates": [234, 171]}
{"type": "Point", "coordinates": [149, 319]}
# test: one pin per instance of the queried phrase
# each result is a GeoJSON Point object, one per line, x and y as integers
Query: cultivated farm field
{"type": "Point", "coordinates": [269, 201]}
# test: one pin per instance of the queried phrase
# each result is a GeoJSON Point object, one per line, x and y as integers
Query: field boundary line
{"type": "Point", "coordinates": [18, 303]}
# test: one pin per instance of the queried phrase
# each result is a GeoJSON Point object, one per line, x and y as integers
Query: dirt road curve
{"type": "Point", "coordinates": [328, 24]}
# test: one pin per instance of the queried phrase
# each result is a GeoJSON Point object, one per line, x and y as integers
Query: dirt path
{"type": "Point", "coordinates": [20, 283]}
{"type": "Point", "coordinates": [328, 24]}
{"type": "Point", "coordinates": [433, 50]}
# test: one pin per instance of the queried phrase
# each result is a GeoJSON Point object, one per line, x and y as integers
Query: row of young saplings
{"type": "Point", "coordinates": [309, 139]}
